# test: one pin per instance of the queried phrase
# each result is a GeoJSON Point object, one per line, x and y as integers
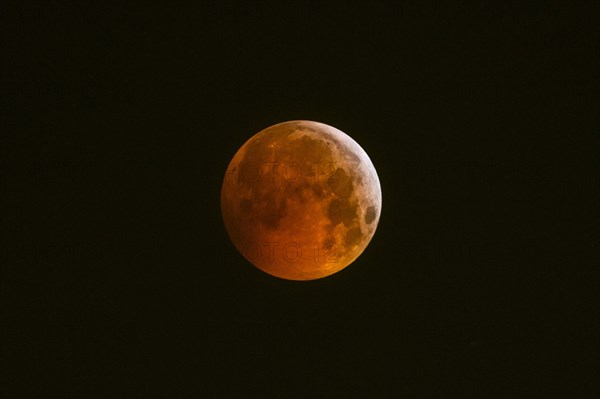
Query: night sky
{"type": "Point", "coordinates": [119, 279]}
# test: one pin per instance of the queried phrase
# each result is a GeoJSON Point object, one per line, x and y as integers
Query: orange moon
{"type": "Point", "coordinates": [301, 200]}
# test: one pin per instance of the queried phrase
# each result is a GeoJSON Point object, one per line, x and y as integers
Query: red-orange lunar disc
{"type": "Point", "coordinates": [301, 200]}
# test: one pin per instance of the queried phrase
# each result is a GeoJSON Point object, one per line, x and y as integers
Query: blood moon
{"type": "Point", "coordinates": [301, 200]}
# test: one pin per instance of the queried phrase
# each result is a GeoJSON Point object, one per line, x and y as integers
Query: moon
{"type": "Point", "coordinates": [301, 200]}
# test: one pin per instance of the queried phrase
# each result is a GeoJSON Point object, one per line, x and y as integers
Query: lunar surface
{"type": "Point", "coordinates": [301, 200]}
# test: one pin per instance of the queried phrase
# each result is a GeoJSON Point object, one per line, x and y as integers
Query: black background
{"type": "Point", "coordinates": [120, 280]}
